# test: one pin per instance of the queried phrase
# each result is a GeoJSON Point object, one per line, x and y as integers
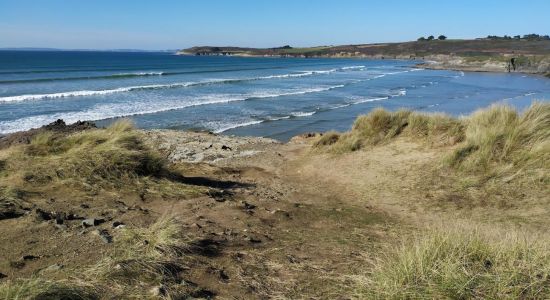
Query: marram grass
{"type": "Point", "coordinates": [462, 262]}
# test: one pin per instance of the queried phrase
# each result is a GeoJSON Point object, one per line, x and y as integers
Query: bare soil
{"type": "Point", "coordinates": [282, 221]}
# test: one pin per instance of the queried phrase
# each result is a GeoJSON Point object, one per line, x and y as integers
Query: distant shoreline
{"type": "Point", "coordinates": [479, 55]}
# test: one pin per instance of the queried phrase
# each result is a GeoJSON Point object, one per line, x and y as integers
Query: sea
{"type": "Point", "coordinates": [269, 97]}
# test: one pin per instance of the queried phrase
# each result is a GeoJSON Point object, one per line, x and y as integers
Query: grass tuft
{"type": "Point", "coordinates": [150, 256]}
{"type": "Point", "coordinates": [35, 288]}
{"type": "Point", "coordinates": [143, 258]}
{"type": "Point", "coordinates": [463, 262]}
{"type": "Point", "coordinates": [110, 156]}
{"type": "Point", "coordinates": [327, 139]}
{"type": "Point", "coordinates": [493, 142]}
{"type": "Point", "coordinates": [499, 140]}
{"type": "Point", "coordinates": [381, 126]}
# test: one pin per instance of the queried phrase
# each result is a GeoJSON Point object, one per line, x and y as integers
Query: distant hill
{"type": "Point", "coordinates": [487, 54]}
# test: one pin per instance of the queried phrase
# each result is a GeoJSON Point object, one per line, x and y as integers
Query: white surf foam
{"type": "Point", "coordinates": [92, 93]}
{"type": "Point", "coordinates": [233, 126]}
{"type": "Point", "coordinates": [370, 100]}
{"type": "Point", "coordinates": [400, 93]}
{"type": "Point", "coordinates": [107, 111]}
{"type": "Point", "coordinates": [278, 118]}
{"type": "Point", "coordinates": [353, 67]}
{"type": "Point", "coordinates": [303, 114]}
{"type": "Point", "coordinates": [140, 74]}
{"type": "Point", "coordinates": [340, 106]}
{"type": "Point", "coordinates": [84, 93]}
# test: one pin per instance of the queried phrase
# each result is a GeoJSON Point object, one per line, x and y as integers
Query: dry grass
{"type": "Point", "coordinates": [327, 139]}
{"type": "Point", "coordinates": [92, 162]}
{"type": "Point", "coordinates": [35, 288]}
{"type": "Point", "coordinates": [88, 162]}
{"type": "Point", "coordinates": [100, 155]}
{"type": "Point", "coordinates": [142, 260]}
{"type": "Point", "coordinates": [500, 140]}
{"type": "Point", "coordinates": [493, 142]}
{"type": "Point", "coordinates": [381, 126]}
{"type": "Point", "coordinates": [463, 262]}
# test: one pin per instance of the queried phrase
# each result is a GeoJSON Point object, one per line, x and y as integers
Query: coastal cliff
{"type": "Point", "coordinates": [489, 55]}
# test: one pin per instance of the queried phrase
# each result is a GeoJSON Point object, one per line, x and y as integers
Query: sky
{"type": "Point", "coordinates": [172, 24]}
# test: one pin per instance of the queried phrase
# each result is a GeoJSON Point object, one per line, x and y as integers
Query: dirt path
{"type": "Point", "coordinates": [306, 223]}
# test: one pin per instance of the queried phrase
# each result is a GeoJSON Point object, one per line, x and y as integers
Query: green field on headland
{"type": "Point", "coordinates": [532, 55]}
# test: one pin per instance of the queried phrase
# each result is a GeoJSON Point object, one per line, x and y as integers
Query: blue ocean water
{"type": "Point", "coordinates": [271, 97]}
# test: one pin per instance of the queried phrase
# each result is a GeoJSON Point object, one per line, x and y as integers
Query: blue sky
{"type": "Point", "coordinates": [165, 24]}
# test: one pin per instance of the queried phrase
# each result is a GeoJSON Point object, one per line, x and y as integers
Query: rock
{"type": "Point", "coordinates": [105, 236]}
{"type": "Point", "coordinates": [42, 215]}
{"type": "Point", "coordinates": [17, 264]}
{"type": "Point", "coordinates": [54, 267]}
{"type": "Point", "coordinates": [158, 291]}
{"type": "Point", "coordinates": [118, 225]}
{"type": "Point", "coordinates": [220, 195]}
{"type": "Point", "coordinates": [9, 210]}
{"type": "Point", "coordinates": [224, 147]}
{"type": "Point", "coordinates": [61, 226]}
{"type": "Point", "coordinates": [279, 212]}
{"type": "Point", "coordinates": [30, 257]}
{"type": "Point", "coordinates": [202, 294]}
{"type": "Point", "coordinates": [220, 273]}
{"type": "Point", "coordinates": [292, 259]}
{"type": "Point", "coordinates": [253, 240]}
{"type": "Point", "coordinates": [248, 206]}
{"type": "Point", "coordinates": [92, 222]}
{"type": "Point", "coordinates": [196, 225]}
{"type": "Point", "coordinates": [60, 217]}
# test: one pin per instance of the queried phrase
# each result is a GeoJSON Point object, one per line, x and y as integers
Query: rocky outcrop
{"type": "Point", "coordinates": [58, 126]}
{"type": "Point", "coordinates": [508, 63]}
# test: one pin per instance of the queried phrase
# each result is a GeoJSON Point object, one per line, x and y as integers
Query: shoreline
{"type": "Point", "coordinates": [447, 63]}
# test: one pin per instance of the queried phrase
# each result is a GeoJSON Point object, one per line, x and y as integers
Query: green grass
{"type": "Point", "coordinates": [462, 262]}
{"type": "Point", "coordinates": [303, 50]}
